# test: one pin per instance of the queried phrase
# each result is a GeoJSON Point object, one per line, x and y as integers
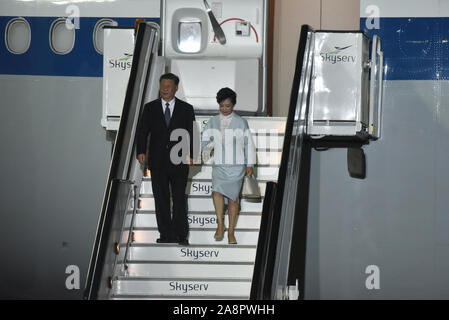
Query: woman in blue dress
{"type": "Point", "coordinates": [227, 135]}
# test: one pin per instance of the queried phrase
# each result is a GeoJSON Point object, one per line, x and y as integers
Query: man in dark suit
{"type": "Point", "coordinates": [165, 119]}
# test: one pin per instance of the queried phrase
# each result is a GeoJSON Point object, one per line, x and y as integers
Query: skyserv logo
{"type": "Point", "coordinates": [122, 63]}
{"type": "Point", "coordinates": [338, 56]}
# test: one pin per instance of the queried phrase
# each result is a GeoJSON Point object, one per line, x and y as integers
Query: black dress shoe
{"type": "Point", "coordinates": [183, 241]}
{"type": "Point", "coordinates": [163, 240]}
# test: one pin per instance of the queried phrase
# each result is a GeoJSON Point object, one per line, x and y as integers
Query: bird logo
{"type": "Point", "coordinates": [339, 49]}
{"type": "Point", "coordinates": [127, 57]}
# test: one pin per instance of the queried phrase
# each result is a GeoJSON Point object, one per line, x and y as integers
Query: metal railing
{"type": "Point", "coordinates": [289, 205]}
{"type": "Point", "coordinates": [271, 271]}
{"type": "Point", "coordinates": [131, 226]}
{"type": "Point", "coordinates": [125, 173]}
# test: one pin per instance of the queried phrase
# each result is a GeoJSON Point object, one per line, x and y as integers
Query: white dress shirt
{"type": "Point", "coordinates": [225, 121]}
{"type": "Point", "coordinates": [171, 106]}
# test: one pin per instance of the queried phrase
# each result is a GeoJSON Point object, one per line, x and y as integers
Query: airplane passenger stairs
{"type": "Point", "coordinates": [206, 269]}
{"type": "Point", "coordinates": [127, 263]}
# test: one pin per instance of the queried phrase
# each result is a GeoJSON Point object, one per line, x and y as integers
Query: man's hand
{"type": "Point", "coordinates": [189, 161]}
{"type": "Point", "coordinates": [141, 158]}
{"type": "Point", "coordinates": [249, 171]}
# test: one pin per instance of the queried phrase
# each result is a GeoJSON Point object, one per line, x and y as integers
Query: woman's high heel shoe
{"type": "Point", "coordinates": [231, 238]}
{"type": "Point", "coordinates": [219, 235]}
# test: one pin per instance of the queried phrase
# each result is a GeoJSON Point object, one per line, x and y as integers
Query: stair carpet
{"type": "Point", "coordinates": [206, 269]}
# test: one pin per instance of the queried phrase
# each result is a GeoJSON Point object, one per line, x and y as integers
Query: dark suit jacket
{"type": "Point", "coordinates": [153, 123]}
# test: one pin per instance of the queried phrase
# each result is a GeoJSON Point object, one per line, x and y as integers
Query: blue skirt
{"type": "Point", "coordinates": [228, 180]}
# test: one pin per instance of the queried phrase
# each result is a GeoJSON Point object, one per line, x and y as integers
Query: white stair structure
{"type": "Point", "coordinates": [206, 269]}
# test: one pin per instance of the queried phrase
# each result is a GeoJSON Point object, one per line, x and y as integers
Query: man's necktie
{"type": "Point", "coordinates": [167, 114]}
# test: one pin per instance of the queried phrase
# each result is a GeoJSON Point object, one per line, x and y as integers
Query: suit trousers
{"type": "Point", "coordinates": [170, 226]}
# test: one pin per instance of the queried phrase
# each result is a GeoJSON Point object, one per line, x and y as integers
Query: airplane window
{"type": "Point", "coordinates": [62, 36]}
{"type": "Point", "coordinates": [189, 40]}
{"type": "Point", "coordinates": [98, 36]}
{"type": "Point", "coordinates": [18, 35]}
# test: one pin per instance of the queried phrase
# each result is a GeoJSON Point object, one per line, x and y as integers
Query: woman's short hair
{"type": "Point", "coordinates": [225, 93]}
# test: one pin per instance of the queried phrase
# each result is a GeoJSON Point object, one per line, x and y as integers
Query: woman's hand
{"type": "Point", "coordinates": [249, 171]}
{"type": "Point", "coordinates": [141, 158]}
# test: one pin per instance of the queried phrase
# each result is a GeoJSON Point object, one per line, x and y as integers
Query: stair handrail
{"type": "Point", "coordinates": [291, 206]}
{"type": "Point", "coordinates": [268, 246]}
{"type": "Point", "coordinates": [110, 222]}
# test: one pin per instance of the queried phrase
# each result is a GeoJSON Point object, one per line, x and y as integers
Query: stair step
{"type": "Point", "coordinates": [181, 288]}
{"type": "Point", "coordinates": [147, 179]}
{"type": "Point", "coordinates": [190, 270]}
{"type": "Point", "coordinates": [157, 297]}
{"type": "Point", "coordinates": [196, 236]}
{"type": "Point", "coordinates": [194, 188]}
{"type": "Point", "coordinates": [204, 204]}
{"type": "Point", "coordinates": [268, 141]}
{"type": "Point", "coordinates": [245, 220]}
{"type": "Point", "coordinates": [267, 156]}
{"type": "Point", "coordinates": [202, 196]}
{"type": "Point", "coordinates": [256, 124]}
{"type": "Point", "coordinates": [201, 253]}
{"type": "Point", "coordinates": [269, 173]}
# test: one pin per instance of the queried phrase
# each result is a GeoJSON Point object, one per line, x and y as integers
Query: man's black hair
{"type": "Point", "coordinates": [169, 76]}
